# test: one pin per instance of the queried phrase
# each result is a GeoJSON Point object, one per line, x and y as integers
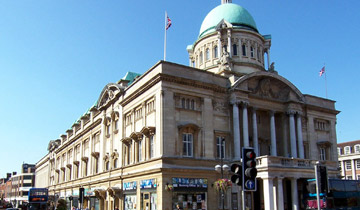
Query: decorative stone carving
{"type": "Point", "coordinates": [270, 88]}
{"type": "Point", "coordinates": [220, 106]}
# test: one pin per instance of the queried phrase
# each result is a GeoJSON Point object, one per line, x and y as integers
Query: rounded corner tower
{"type": "Point", "coordinates": [229, 42]}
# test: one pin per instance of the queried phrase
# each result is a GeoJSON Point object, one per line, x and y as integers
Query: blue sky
{"type": "Point", "coordinates": [56, 56]}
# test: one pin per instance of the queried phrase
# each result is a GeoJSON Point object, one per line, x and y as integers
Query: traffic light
{"type": "Point", "coordinates": [249, 169]}
{"type": "Point", "coordinates": [322, 170]}
{"type": "Point", "coordinates": [236, 177]}
{"type": "Point", "coordinates": [81, 194]}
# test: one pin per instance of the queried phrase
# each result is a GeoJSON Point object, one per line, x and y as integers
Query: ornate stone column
{"type": "Point", "coordinates": [299, 136]}
{"type": "Point", "coordinates": [342, 168]}
{"type": "Point", "coordinates": [268, 58]}
{"type": "Point", "coordinates": [268, 193]}
{"type": "Point", "coordinates": [255, 132]}
{"type": "Point", "coordinates": [292, 134]}
{"type": "Point", "coordinates": [273, 134]}
{"type": "Point", "coordinates": [236, 128]}
{"type": "Point", "coordinates": [229, 42]}
{"type": "Point", "coordinates": [280, 193]}
{"type": "Point", "coordinates": [353, 169]}
{"type": "Point", "coordinates": [219, 44]}
{"type": "Point", "coordinates": [294, 194]}
{"type": "Point", "coordinates": [245, 124]}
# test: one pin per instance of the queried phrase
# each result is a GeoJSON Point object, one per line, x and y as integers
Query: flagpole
{"type": "Point", "coordinates": [165, 37]}
{"type": "Point", "coordinates": [325, 83]}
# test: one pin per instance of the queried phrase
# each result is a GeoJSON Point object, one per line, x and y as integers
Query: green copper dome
{"type": "Point", "coordinates": [232, 13]}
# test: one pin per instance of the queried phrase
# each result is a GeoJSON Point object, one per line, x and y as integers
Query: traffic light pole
{"type": "Point", "coordinates": [317, 185]}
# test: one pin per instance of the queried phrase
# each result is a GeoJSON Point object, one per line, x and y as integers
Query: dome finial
{"type": "Point", "coordinates": [226, 1]}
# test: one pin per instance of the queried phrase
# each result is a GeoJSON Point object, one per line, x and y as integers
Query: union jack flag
{"type": "Point", "coordinates": [322, 71]}
{"type": "Point", "coordinates": [168, 24]}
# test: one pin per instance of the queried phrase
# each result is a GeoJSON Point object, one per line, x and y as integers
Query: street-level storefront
{"type": "Point", "coordinates": [130, 198]}
{"type": "Point", "coordinates": [189, 193]}
{"type": "Point", "coordinates": [90, 200]}
{"type": "Point", "coordinates": [148, 198]}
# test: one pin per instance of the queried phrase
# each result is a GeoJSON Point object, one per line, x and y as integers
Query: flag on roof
{"type": "Point", "coordinates": [168, 22]}
{"type": "Point", "coordinates": [322, 71]}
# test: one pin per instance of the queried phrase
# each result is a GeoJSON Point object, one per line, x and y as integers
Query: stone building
{"type": "Point", "coordinates": [349, 159]}
{"type": "Point", "coordinates": [151, 141]}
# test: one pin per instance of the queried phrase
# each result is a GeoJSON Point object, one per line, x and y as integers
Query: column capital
{"type": "Point", "coordinates": [291, 112]}
{"type": "Point", "coordinates": [235, 102]}
{"type": "Point", "coordinates": [272, 112]}
{"type": "Point", "coordinates": [244, 103]}
{"type": "Point", "coordinates": [229, 32]}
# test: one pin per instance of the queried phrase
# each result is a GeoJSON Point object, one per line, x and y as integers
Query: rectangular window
{"type": "Point", "coordinates": [358, 177]}
{"type": "Point", "coordinates": [349, 177]}
{"type": "Point", "coordinates": [358, 164]}
{"type": "Point", "coordinates": [220, 147]}
{"type": "Point", "coordinates": [151, 146]}
{"type": "Point", "coordinates": [243, 50]}
{"type": "Point", "coordinates": [357, 148]}
{"type": "Point", "coordinates": [339, 150]}
{"type": "Point", "coordinates": [322, 154]}
{"type": "Point", "coordinates": [140, 151]}
{"type": "Point", "coordinates": [187, 144]}
{"type": "Point", "coordinates": [348, 165]}
{"type": "Point", "coordinates": [347, 150]}
{"type": "Point", "coordinates": [235, 49]}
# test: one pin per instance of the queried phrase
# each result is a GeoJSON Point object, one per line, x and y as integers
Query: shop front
{"type": "Point", "coordinates": [129, 189]}
{"type": "Point", "coordinates": [148, 195]}
{"type": "Point", "coordinates": [90, 200]}
{"type": "Point", "coordinates": [189, 193]}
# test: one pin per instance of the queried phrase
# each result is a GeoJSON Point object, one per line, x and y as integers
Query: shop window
{"type": "Point", "coordinates": [216, 52]}
{"type": "Point", "coordinates": [220, 147]}
{"type": "Point", "coordinates": [243, 47]}
{"type": "Point", "coordinates": [187, 144]}
{"type": "Point", "coordinates": [207, 54]}
{"type": "Point", "coordinates": [235, 51]}
{"type": "Point", "coordinates": [189, 200]}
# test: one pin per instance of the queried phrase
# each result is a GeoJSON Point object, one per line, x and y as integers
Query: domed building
{"type": "Point", "coordinates": [229, 43]}
{"type": "Point", "coordinates": [166, 139]}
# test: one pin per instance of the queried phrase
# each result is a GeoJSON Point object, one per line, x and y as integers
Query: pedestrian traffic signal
{"type": "Point", "coordinates": [249, 169]}
{"type": "Point", "coordinates": [236, 177]}
{"type": "Point", "coordinates": [81, 194]}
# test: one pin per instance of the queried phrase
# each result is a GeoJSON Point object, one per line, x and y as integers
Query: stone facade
{"type": "Point", "coordinates": [152, 142]}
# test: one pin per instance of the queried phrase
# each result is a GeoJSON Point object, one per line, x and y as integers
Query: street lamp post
{"type": "Point", "coordinates": [221, 168]}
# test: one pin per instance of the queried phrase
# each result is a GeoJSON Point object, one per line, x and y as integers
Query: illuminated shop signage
{"type": "Point", "coordinates": [129, 185]}
{"type": "Point", "coordinates": [148, 184]}
{"type": "Point", "coordinates": [189, 182]}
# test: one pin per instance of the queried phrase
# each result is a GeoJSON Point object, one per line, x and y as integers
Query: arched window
{"type": "Point", "coordinates": [115, 163]}
{"type": "Point", "coordinates": [225, 48]}
{"type": "Point", "coordinates": [183, 103]}
{"type": "Point", "coordinates": [258, 54]}
{"type": "Point", "coordinates": [357, 148]}
{"type": "Point", "coordinates": [347, 150]}
{"type": "Point", "coordinates": [187, 103]}
{"type": "Point", "coordinates": [201, 57]}
{"type": "Point", "coordinates": [197, 61]}
{"type": "Point", "coordinates": [207, 54]}
{"type": "Point", "coordinates": [243, 50]}
{"type": "Point", "coordinates": [192, 104]}
{"type": "Point", "coordinates": [235, 49]}
{"type": "Point", "coordinates": [252, 51]}
{"type": "Point", "coordinates": [215, 52]}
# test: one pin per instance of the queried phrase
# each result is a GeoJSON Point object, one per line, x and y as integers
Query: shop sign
{"type": "Point", "coordinates": [148, 184]}
{"type": "Point", "coordinates": [189, 182]}
{"type": "Point", "coordinates": [89, 192]}
{"type": "Point", "coordinates": [129, 185]}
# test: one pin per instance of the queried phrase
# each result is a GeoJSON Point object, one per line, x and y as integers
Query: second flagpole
{"type": "Point", "coordinates": [165, 36]}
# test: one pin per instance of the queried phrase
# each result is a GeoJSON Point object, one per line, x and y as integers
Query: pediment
{"type": "Point", "coordinates": [268, 86]}
{"type": "Point", "coordinates": [109, 92]}
{"type": "Point", "coordinates": [223, 24]}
